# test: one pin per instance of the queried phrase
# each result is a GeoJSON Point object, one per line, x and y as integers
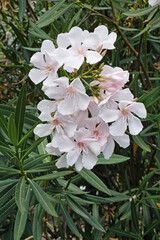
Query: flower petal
{"type": "Point", "coordinates": [123, 141]}
{"type": "Point", "coordinates": [47, 46]}
{"type": "Point", "coordinates": [93, 57]}
{"type": "Point", "coordinates": [62, 162]}
{"type": "Point", "coordinates": [109, 115]}
{"type": "Point", "coordinates": [51, 150]}
{"type": "Point", "coordinates": [43, 130]}
{"type": "Point", "coordinates": [101, 31]}
{"type": "Point", "coordinates": [38, 60]}
{"type": "Point", "coordinates": [37, 75]}
{"type": "Point", "coordinates": [109, 148]}
{"type": "Point", "coordinates": [119, 127]}
{"type": "Point", "coordinates": [63, 40]}
{"type": "Point", "coordinates": [65, 144]}
{"type": "Point", "coordinates": [134, 124]}
{"type": "Point", "coordinates": [139, 109]}
{"type": "Point", "coordinates": [89, 160]}
{"type": "Point", "coordinates": [72, 156]}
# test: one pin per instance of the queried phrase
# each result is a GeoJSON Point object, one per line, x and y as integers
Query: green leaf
{"type": "Point", "coordinates": [53, 13]}
{"type": "Point", "coordinates": [32, 147]}
{"type": "Point", "coordinates": [22, 7]}
{"type": "Point", "coordinates": [90, 177]}
{"type": "Point", "coordinates": [37, 222]}
{"type": "Point", "coordinates": [20, 195]}
{"type": "Point", "coordinates": [114, 159]}
{"type": "Point", "coordinates": [7, 209]}
{"type": "Point", "coordinates": [8, 171]}
{"type": "Point", "coordinates": [73, 188]}
{"type": "Point", "coordinates": [123, 233]}
{"type": "Point", "coordinates": [20, 111]}
{"type": "Point", "coordinates": [153, 226]}
{"type": "Point", "coordinates": [54, 175]}
{"type": "Point", "coordinates": [69, 221]}
{"type": "Point", "coordinates": [139, 12]}
{"type": "Point", "coordinates": [32, 161]}
{"type": "Point", "coordinates": [139, 141]}
{"type": "Point", "coordinates": [21, 218]}
{"type": "Point", "coordinates": [6, 195]}
{"type": "Point", "coordinates": [150, 97]}
{"type": "Point", "coordinates": [43, 198]}
{"type": "Point", "coordinates": [83, 213]}
{"type": "Point", "coordinates": [134, 216]}
{"type": "Point", "coordinates": [3, 123]}
{"type": "Point", "coordinates": [12, 131]}
{"type": "Point", "coordinates": [6, 183]}
{"type": "Point", "coordinates": [37, 32]}
{"type": "Point", "coordinates": [27, 135]}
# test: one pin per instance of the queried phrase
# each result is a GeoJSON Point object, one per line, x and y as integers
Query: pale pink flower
{"type": "Point", "coordinates": [153, 2]}
{"type": "Point", "coordinates": [82, 150]}
{"type": "Point", "coordinates": [111, 79]}
{"type": "Point", "coordinates": [124, 117]}
{"type": "Point", "coordinates": [72, 97]}
{"type": "Point", "coordinates": [80, 45]}
{"type": "Point", "coordinates": [105, 40]}
{"type": "Point", "coordinates": [46, 65]}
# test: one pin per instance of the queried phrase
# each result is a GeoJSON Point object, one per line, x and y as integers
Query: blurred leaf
{"type": "Point", "coordinates": [7, 209]}
{"type": "Point", "coordinates": [32, 161]}
{"type": "Point", "coordinates": [21, 217]}
{"type": "Point", "coordinates": [20, 111]}
{"type": "Point", "coordinates": [3, 123]}
{"type": "Point", "coordinates": [153, 225]}
{"type": "Point", "coordinates": [53, 13]}
{"type": "Point", "coordinates": [134, 216]}
{"type": "Point", "coordinates": [6, 195]}
{"type": "Point", "coordinates": [95, 181]}
{"type": "Point", "coordinates": [37, 32]}
{"type": "Point", "coordinates": [43, 198]}
{"type": "Point", "coordinates": [20, 195]}
{"type": "Point", "coordinates": [69, 221]}
{"type": "Point", "coordinates": [71, 187]}
{"type": "Point", "coordinates": [83, 213]}
{"type": "Point", "coordinates": [12, 131]}
{"type": "Point", "coordinates": [140, 12]}
{"type": "Point", "coordinates": [54, 175]}
{"type": "Point", "coordinates": [22, 7]}
{"type": "Point", "coordinates": [6, 183]}
{"type": "Point", "coordinates": [139, 141]}
{"type": "Point", "coordinates": [114, 159]}
{"type": "Point", "coordinates": [123, 233]}
{"type": "Point", "coordinates": [8, 171]}
{"type": "Point", "coordinates": [37, 222]}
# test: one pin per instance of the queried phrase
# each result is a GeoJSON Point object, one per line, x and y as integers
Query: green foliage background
{"type": "Point", "coordinates": [121, 196]}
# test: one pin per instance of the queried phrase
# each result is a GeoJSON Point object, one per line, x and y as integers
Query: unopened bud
{"type": "Point", "coordinates": [101, 66]}
{"type": "Point", "coordinates": [99, 49]}
{"type": "Point", "coordinates": [104, 53]}
{"type": "Point", "coordinates": [96, 100]}
{"type": "Point", "coordinates": [135, 100]}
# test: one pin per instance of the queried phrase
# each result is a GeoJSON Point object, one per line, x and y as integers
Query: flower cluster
{"type": "Point", "coordinates": [89, 108]}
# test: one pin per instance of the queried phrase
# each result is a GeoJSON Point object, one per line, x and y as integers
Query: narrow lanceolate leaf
{"type": "Point", "coordinates": [20, 195]}
{"type": "Point", "coordinates": [37, 222]}
{"type": "Point", "coordinates": [7, 209]}
{"type": "Point", "coordinates": [140, 12]}
{"type": "Point", "coordinates": [134, 216]}
{"type": "Point", "coordinates": [121, 232]}
{"type": "Point", "coordinates": [6, 183]}
{"type": "Point", "coordinates": [53, 13]}
{"type": "Point", "coordinates": [21, 218]}
{"type": "Point", "coordinates": [20, 111]}
{"type": "Point", "coordinates": [7, 171]}
{"type": "Point", "coordinates": [69, 221]}
{"type": "Point", "coordinates": [153, 225]}
{"type": "Point", "coordinates": [12, 131]}
{"type": "Point", "coordinates": [32, 147]}
{"type": "Point", "coordinates": [53, 175]}
{"type": "Point", "coordinates": [5, 195]}
{"type": "Point", "coordinates": [114, 159]}
{"type": "Point", "coordinates": [83, 213]}
{"type": "Point", "coordinates": [22, 7]}
{"type": "Point", "coordinates": [43, 198]}
{"type": "Point", "coordinates": [3, 123]}
{"type": "Point", "coordinates": [95, 181]}
{"type": "Point", "coordinates": [141, 143]}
